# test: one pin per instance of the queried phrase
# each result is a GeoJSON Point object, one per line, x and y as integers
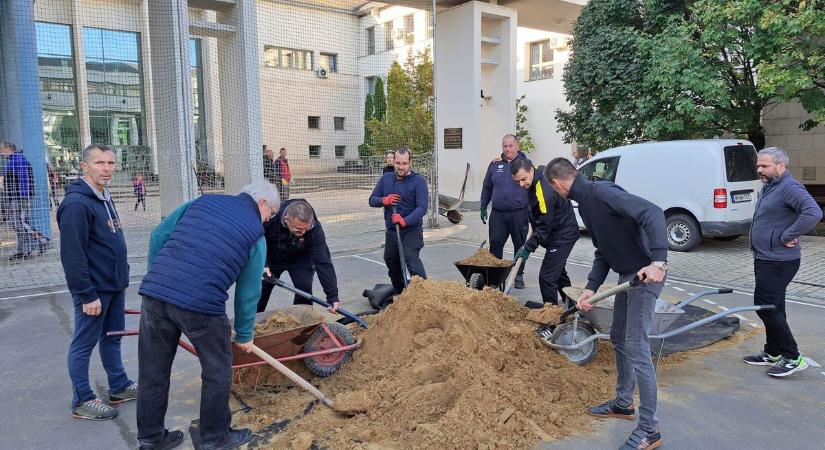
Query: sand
{"type": "Point", "coordinates": [279, 321]}
{"type": "Point", "coordinates": [484, 258]}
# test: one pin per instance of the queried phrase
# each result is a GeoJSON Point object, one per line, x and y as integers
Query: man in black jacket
{"type": "Point", "coordinates": [630, 237]}
{"type": "Point", "coordinates": [295, 243]}
{"type": "Point", "coordinates": [554, 228]}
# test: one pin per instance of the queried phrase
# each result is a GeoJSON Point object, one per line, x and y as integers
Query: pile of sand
{"type": "Point", "coordinates": [484, 258]}
{"type": "Point", "coordinates": [279, 321]}
{"type": "Point", "coordinates": [444, 367]}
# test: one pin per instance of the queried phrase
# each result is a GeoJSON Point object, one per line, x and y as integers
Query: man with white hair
{"type": "Point", "coordinates": [784, 212]}
{"type": "Point", "coordinates": [195, 255]}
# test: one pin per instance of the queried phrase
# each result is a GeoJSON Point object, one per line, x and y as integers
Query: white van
{"type": "Point", "coordinates": [705, 187]}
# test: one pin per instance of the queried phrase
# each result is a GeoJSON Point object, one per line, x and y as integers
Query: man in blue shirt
{"type": "Point", "coordinates": [18, 189]}
{"type": "Point", "coordinates": [195, 255]}
{"type": "Point", "coordinates": [406, 192]}
{"type": "Point", "coordinates": [510, 217]}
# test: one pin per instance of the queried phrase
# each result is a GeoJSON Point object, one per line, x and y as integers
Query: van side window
{"type": "Point", "coordinates": [740, 163]}
{"type": "Point", "coordinates": [600, 169]}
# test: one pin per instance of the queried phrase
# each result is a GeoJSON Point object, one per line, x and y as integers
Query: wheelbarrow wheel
{"type": "Point", "coordinates": [476, 281]}
{"type": "Point", "coordinates": [326, 365]}
{"type": "Point", "coordinates": [565, 334]}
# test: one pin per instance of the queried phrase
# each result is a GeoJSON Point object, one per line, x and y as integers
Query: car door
{"type": "Point", "coordinates": [597, 169]}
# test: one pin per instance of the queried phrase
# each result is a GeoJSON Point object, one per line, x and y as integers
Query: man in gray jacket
{"type": "Point", "coordinates": [784, 212]}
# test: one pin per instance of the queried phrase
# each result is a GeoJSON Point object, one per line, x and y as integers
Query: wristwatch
{"type": "Point", "coordinates": [661, 265]}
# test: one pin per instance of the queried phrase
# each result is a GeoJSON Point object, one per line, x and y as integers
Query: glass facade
{"type": "Point", "coordinates": [58, 94]}
{"type": "Point", "coordinates": [115, 90]}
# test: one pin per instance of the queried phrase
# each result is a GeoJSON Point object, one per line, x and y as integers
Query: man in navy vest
{"type": "Point", "coordinates": [195, 255]}
{"type": "Point", "coordinates": [406, 191]}
{"type": "Point", "coordinates": [510, 216]}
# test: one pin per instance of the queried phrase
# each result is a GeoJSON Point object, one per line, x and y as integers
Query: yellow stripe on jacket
{"type": "Point", "coordinates": [540, 195]}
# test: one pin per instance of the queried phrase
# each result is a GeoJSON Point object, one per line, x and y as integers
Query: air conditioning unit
{"type": "Point", "coordinates": [558, 43]}
{"type": "Point", "coordinates": [321, 73]}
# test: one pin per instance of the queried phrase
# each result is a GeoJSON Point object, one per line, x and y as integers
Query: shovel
{"type": "Point", "coordinates": [404, 270]}
{"type": "Point", "coordinates": [308, 296]}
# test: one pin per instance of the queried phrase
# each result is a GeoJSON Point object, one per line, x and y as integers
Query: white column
{"type": "Point", "coordinates": [82, 85]}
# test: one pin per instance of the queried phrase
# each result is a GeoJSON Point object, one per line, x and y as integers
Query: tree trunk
{"type": "Point", "coordinates": [756, 134]}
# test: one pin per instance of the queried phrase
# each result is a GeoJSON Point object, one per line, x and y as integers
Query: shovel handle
{"type": "Point", "coordinates": [601, 296]}
{"type": "Point", "coordinates": [292, 375]}
{"type": "Point", "coordinates": [308, 296]}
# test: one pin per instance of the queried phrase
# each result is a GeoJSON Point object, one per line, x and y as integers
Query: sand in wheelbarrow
{"type": "Point", "coordinates": [444, 367]}
{"type": "Point", "coordinates": [484, 258]}
{"type": "Point", "coordinates": [279, 321]}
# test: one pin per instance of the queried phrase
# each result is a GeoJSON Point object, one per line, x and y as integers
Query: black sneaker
{"type": "Point", "coordinates": [519, 284]}
{"type": "Point", "coordinates": [610, 409]}
{"type": "Point", "coordinates": [641, 439]}
{"type": "Point", "coordinates": [785, 366]}
{"type": "Point", "coordinates": [170, 440]}
{"type": "Point", "coordinates": [761, 359]}
{"type": "Point", "coordinates": [234, 439]}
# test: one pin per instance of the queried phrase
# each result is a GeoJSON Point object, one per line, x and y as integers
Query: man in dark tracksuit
{"type": "Point", "coordinates": [296, 243]}
{"type": "Point", "coordinates": [630, 237]}
{"type": "Point", "coordinates": [784, 212]}
{"type": "Point", "coordinates": [403, 194]}
{"type": "Point", "coordinates": [510, 217]}
{"type": "Point", "coordinates": [554, 228]}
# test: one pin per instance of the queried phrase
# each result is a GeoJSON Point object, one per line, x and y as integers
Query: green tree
{"type": "Point", "coordinates": [380, 100]}
{"type": "Point", "coordinates": [525, 141]}
{"type": "Point", "coordinates": [365, 149]}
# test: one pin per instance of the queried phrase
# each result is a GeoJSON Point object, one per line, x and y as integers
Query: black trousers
{"type": "Point", "coordinates": [553, 274]}
{"type": "Point", "coordinates": [413, 242]}
{"type": "Point", "coordinates": [161, 325]}
{"type": "Point", "coordinates": [512, 225]}
{"type": "Point", "coordinates": [301, 278]}
{"type": "Point", "coordinates": [772, 279]}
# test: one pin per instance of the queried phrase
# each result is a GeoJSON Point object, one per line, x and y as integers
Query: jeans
{"type": "Point", "coordinates": [552, 274]}
{"type": "Point", "coordinates": [413, 242]}
{"type": "Point", "coordinates": [301, 278]}
{"type": "Point", "coordinates": [632, 318]}
{"type": "Point", "coordinates": [508, 224]}
{"type": "Point", "coordinates": [90, 331]}
{"type": "Point", "coordinates": [26, 242]}
{"type": "Point", "coordinates": [772, 279]}
{"type": "Point", "coordinates": [161, 325]}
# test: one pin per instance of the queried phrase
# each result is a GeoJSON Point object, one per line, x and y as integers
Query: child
{"type": "Point", "coordinates": [140, 191]}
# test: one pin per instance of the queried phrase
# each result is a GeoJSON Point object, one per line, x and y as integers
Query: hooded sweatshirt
{"type": "Point", "coordinates": [92, 245]}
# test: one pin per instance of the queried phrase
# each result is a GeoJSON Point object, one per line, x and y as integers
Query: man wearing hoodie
{"type": "Point", "coordinates": [195, 255]}
{"type": "Point", "coordinates": [784, 212]}
{"type": "Point", "coordinates": [93, 253]}
{"type": "Point", "coordinates": [510, 217]}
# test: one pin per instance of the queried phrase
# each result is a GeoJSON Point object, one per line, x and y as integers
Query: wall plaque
{"type": "Point", "coordinates": [452, 138]}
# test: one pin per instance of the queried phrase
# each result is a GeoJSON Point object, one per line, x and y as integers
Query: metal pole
{"type": "Point", "coordinates": [434, 170]}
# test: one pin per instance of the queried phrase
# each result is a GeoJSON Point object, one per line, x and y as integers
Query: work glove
{"type": "Point", "coordinates": [523, 253]}
{"type": "Point", "coordinates": [391, 199]}
{"type": "Point", "coordinates": [484, 216]}
{"type": "Point", "coordinates": [397, 219]}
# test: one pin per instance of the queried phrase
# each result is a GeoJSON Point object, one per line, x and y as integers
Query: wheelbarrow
{"type": "Point", "coordinates": [448, 206]}
{"type": "Point", "coordinates": [578, 340]}
{"type": "Point", "coordinates": [477, 277]}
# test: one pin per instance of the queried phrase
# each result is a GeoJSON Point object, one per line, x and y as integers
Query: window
{"type": "Point", "coordinates": [541, 60]}
{"type": "Point", "coordinates": [340, 151]}
{"type": "Point", "coordinates": [314, 151]}
{"type": "Point", "coordinates": [339, 123]}
{"type": "Point", "coordinates": [428, 17]}
{"type": "Point", "coordinates": [196, 72]}
{"type": "Point", "coordinates": [287, 58]}
{"type": "Point", "coordinates": [600, 169]}
{"type": "Point", "coordinates": [409, 29]}
{"type": "Point", "coordinates": [370, 85]}
{"type": "Point", "coordinates": [314, 122]}
{"type": "Point", "coordinates": [388, 30]}
{"type": "Point", "coordinates": [329, 61]}
{"type": "Point", "coordinates": [371, 40]}
{"type": "Point", "coordinates": [740, 162]}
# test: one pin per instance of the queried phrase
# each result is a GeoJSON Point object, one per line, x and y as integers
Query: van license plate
{"type": "Point", "coordinates": [743, 197]}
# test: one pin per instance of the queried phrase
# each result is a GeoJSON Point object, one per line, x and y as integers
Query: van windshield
{"type": "Point", "coordinates": [740, 163]}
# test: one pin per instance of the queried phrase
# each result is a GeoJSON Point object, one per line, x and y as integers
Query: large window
{"type": "Point", "coordinates": [287, 58]}
{"type": "Point", "coordinates": [339, 123]}
{"type": "Point", "coordinates": [371, 40]}
{"type": "Point", "coordinates": [55, 66]}
{"type": "Point", "coordinates": [329, 61]}
{"type": "Point", "coordinates": [388, 37]}
{"type": "Point", "coordinates": [541, 60]}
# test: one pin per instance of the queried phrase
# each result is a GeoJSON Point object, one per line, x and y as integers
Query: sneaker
{"type": "Point", "coordinates": [641, 439]}
{"type": "Point", "coordinates": [170, 440]}
{"type": "Point", "coordinates": [94, 410]}
{"type": "Point", "coordinates": [519, 284]}
{"type": "Point", "coordinates": [785, 366]}
{"type": "Point", "coordinates": [18, 256]}
{"type": "Point", "coordinates": [610, 409]}
{"type": "Point", "coordinates": [761, 359]}
{"type": "Point", "coordinates": [234, 439]}
{"type": "Point", "coordinates": [128, 394]}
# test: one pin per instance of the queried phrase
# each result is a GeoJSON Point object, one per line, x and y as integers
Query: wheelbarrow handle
{"type": "Point", "coordinates": [601, 296]}
{"type": "Point", "coordinates": [308, 296]}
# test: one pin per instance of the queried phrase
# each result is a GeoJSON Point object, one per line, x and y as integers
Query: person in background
{"type": "Point", "coordinates": [140, 191]}
{"type": "Point", "coordinates": [54, 182]}
{"type": "Point", "coordinates": [18, 189]}
{"type": "Point", "coordinates": [784, 212]}
{"type": "Point", "coordinates": [390, 167]}
{"type": "Point", "coordinates": [270, 169]}
{"type": "Point", "coordinates": [283, 175]}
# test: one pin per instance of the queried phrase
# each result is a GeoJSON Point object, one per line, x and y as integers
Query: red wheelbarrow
{"type": "Point", "coordinates": [324, 347]}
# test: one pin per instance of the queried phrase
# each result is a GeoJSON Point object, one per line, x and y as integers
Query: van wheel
{"type": "Point", "coordinates": [683, 233]}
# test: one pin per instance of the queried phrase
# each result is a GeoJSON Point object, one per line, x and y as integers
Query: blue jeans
{"type": "Point", "coordinates": [632, 318]}
{"type": "Point", "coordinates": [20, 222]}
{"type": "Point", "coordinates": [161, 325]}
{"type": "Point", "coordinates": [90, 331]}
